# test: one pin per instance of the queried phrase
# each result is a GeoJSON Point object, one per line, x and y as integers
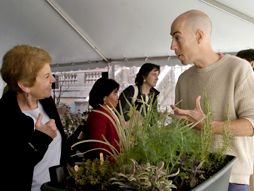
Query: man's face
{"type": "Point", "coordinates": [183, 42]}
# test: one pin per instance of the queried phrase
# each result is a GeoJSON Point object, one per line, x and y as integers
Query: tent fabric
{"type": "Point", "coordinates": [86, 34]}
{"type": "Point", "coordinates": [97, 32]}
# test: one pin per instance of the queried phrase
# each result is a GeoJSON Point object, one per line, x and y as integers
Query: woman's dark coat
{"type": "Point", "coordinates": [126, 96]}
{"type": "Point", "coordinates": [22, 146]}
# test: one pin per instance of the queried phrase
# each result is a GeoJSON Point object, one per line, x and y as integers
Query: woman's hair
{"type": "Point", "coordinates": [144, 71]}
{"type": "Point", "coordinates": [101, 88]}
{"type": "Point", "coordinates": [22, 63]}
{"type": "Point", "coordinates": [246, 54]}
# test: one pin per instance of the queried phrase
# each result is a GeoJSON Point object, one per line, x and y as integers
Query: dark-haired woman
{"type": "Point", "coordinates": [248, 55]}
{"type": "Point", "coordinates": [143, 89]}
{"type": "Point", "coordinates": [104, 94]}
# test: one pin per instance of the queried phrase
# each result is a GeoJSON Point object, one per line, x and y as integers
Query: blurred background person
{"type": "Point", "coordinates": [34, 136]}
{"type": "Point", "coordinates": [143, 89]}
{"type": "Point", "coordinates": [104, 94]}
{"type": "Point", "coordinates": [248, 55]}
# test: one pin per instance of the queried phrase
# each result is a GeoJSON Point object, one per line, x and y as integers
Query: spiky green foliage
{"type": "Point", "coordinates": [124, 133]}
{"type": "Point", "coordinates": [206, 131]}
{"type": "Point", "coordinates": [157, 140]}
{"type": "Point", "coordinates": [209, 153]}
{"type": "Point", "coordinates": [226, 144]}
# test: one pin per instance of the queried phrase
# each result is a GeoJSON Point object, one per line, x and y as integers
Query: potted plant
{"type": "Point", "coordinates": [177, 144]}
{"type": "Point", "coordinates": [143, 177]}
{"type": "Point", "coordinates": [171, 151]}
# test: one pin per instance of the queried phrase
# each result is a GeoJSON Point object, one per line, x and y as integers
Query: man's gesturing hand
{"type": "Point", "coordinates": [192, 116]}
{"type": "Point", "coordinates": [49, 128]}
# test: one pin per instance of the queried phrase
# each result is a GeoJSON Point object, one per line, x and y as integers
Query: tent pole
{"type": "Point", "coordinates": [68, 20]}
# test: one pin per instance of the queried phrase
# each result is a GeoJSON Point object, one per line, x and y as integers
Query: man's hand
{"type": "Point", "coordinates": [49, 128]}
{"type": "Point", "coordinates": [192, 116]}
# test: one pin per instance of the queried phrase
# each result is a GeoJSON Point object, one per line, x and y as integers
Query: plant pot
{"type": "Point", "coordinates": [126, 188]}
{"type": "Point", "coordinates": [58, 174]}
{"type": "Point", "coordinates": [49, 187]}
{"type": "Point", "coordinates": [220, 180]}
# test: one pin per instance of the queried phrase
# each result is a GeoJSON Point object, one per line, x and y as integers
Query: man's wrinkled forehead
{"type": "Point", "coordinates": [178, 26]}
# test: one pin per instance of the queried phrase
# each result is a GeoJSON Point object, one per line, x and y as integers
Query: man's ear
{"type": "Point", "coordinates": [199, 36]}
{"type": "Point", "coordinates": [23, 87]}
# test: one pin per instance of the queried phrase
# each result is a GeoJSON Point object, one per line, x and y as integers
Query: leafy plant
{"type": "Point", "coordinates": [144, 177]}
{"type": "Point", "coordinates": [227, 138]}
{"type": "Point", "coordinates": [125, 138]}
{"type": "Point", "coordinates": [154, 137]}
{"type": "Point", "coordinates": [206, 132]}
{"type": "Point", "coordinates": [191, 172]}
{"type": "Point", "coordinates": [94, 175]}
{"type": "Point", "coordinates": [158, 140]}
{"type": "Point", "coordinates": [209, 151]}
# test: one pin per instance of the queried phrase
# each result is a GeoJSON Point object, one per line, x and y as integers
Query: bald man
{"type": "Point", "coordinates": [226, 79]}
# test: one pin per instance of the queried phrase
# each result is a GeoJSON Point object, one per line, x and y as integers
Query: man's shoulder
{"type": "Point", "coordinates": [237, 64]}
{"type": "Point", "coordinates": [188, 71]}
{"type": "Point", "coordinates": [234, 60]}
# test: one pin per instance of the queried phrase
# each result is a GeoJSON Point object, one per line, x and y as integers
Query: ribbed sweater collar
{"type": "Point", "coordinates": [212, 66]}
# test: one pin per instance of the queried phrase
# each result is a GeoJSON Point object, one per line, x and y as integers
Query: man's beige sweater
{"type": "Point", "coordinates": [229, 80]}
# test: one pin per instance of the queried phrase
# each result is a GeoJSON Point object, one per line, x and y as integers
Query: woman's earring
{"type": "Point", "coordinates": [144, 81]}
{"type": "Point", "coordinates": [27, 95]}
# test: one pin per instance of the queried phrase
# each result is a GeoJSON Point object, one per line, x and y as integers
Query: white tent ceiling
{"type": "Point", "coordinates": [92, 32]}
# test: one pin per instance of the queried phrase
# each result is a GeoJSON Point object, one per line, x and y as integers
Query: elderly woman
{"type": "Point", "coordinates": [104, 94]}
{"type": "Point", "coordinates": [34, 134]}
{"type": "Point", "coordinates": [143, 89]}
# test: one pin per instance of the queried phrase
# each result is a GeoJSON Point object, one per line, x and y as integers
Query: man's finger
{"type": "Point", "coordinates": [198, 106]}
{"type": "Point", "coordinates": [175, 108]}
{"type": "Point", "coordinates": [184, 117]}
{"type": "Point", "coordinates": [198, 103]}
